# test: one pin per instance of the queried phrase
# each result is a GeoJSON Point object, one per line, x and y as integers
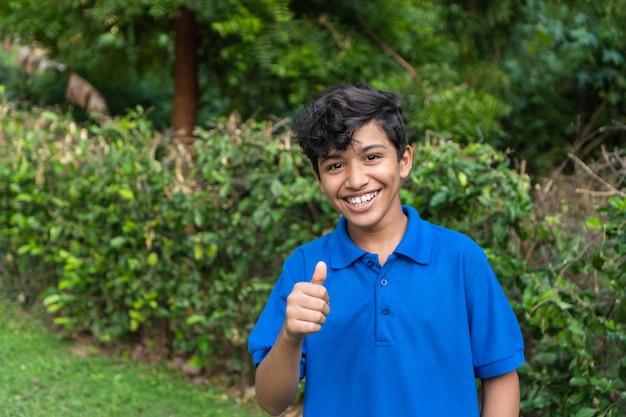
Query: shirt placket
{"type": "Point", "coordinates": [383, 308]}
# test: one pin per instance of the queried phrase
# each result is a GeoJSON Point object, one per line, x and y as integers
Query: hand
{"type": "Point", "coordinates": [307, 306]}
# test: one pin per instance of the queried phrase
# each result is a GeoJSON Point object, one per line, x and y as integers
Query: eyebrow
{"type": "Point", "coordinates": [361, 151]}
{"type": "Point", "coordinates": [369, 148]}
{"type": "Point", "coordinates": [330, 157]}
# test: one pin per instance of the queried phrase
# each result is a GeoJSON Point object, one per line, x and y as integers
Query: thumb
{"type": "Point", "coordinates": [319, 275]}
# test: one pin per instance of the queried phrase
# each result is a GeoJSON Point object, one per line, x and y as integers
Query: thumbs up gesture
{"type": "Point", "coordinates": [308, 305]}
{"type": "Point", "coordinates": [319, 275]}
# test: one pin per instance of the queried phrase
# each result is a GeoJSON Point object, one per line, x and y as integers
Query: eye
{"type": "Point", "coordinates": [333, 166]}
{"type": "Point", "coordinates": [372, 157]}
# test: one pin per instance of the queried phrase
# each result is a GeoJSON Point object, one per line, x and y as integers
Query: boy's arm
{"type": "Point", "coordinates": [501, 396]}
{"type": "Point", "coordinates": [278, 374]}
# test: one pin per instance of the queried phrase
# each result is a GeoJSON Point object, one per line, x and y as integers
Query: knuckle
{"type": "Point", "coordinates": [313, 327]}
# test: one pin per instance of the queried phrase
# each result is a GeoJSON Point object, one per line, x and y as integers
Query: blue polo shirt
{"type": "Point", "coordinates": [404, 339]}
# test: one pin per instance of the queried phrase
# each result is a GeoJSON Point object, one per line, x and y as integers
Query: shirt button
{"type": "Point", "coordinates": [385, 311]}
{"type": "Point", "coordinates": [370, 263]}
{"type": "Point", "coordinates": [384, 282]}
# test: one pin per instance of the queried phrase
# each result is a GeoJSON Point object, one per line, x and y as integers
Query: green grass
{"type": "Point", "coordinates": [41, 377]}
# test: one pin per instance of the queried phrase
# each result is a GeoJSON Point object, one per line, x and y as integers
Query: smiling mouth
{"type": "Point", "coordinates": [360, 200]}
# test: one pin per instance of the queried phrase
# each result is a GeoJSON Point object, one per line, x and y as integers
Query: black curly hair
{"type": "Point", "coordinates": [337, 112]}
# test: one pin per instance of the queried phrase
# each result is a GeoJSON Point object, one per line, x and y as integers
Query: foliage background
{"type": "Point", "coordinates": [537, 78]}
{"type": "Point", "coordinates": [515, 110]}
{"type": "Point", "coordinates": [101, 223]}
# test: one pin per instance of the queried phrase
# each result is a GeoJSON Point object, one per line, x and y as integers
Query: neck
{"type": "Point", "coordinates": [382, 241]}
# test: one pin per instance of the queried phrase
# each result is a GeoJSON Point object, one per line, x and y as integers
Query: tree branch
{"type": "Point", "coordinates": [388, 50]}
{"type": "Point", "coordinates": [595, 176]}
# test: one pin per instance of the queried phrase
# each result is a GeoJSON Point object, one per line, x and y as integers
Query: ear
{"type": "Point", "coordinates": [406, 162]}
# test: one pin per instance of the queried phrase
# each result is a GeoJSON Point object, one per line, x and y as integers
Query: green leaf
{"type": "Point", "coordinates": [462, 179]}
{"type": "Point", "coordinates": [65, 321]}
{"type": "Point", "coordinates": [593, 223]}
{"type": "Point", "coordinates": [49, 116]}
{"type": "Point", "coordinates": [586, 412]}
{"type": "Point", "coordinates": [195, 318]}
{"type": "Point", "coordinates": [126, 193]}
{"type": "Point", "coordinates": [197, 362]}
{"type": "Point", "coordinates": [578, 381]}
{"type": "Point", "coordinates": [276, 188]}
{"type": "Point", "coordinates": [24, 249]}
{"type": "Point", "coordinates": [117, 242]}
{"type": "Point", "coordinates": [198, 252]}
{"type": "Point", "coordinates": [51, 299]}
{"type": "Point", "coordinates": [212, 251]}
{"type": "Point", "coordinates": [153, 258]}
{"type": "Point", "coordinates": [198, 218]}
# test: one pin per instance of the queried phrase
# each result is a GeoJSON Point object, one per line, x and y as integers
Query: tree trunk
{"type": "Point", "coordinates": [186, 90]}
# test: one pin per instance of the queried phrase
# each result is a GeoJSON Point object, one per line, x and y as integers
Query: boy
{"type": "Point", "coordinates": [417, 313]}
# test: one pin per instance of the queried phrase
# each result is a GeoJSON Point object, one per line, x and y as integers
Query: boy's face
{"type": "Point", "coordinates": [362, 181]}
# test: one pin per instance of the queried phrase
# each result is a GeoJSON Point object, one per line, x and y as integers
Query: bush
{"type": "Point", "coordinates": [128, 237]}
{"type": "Point", "coordinates": [103, 224]}
{"type": "Point", "coordinates": [122, 243]}
{"type": "Point", "coordinates": [573, 296]}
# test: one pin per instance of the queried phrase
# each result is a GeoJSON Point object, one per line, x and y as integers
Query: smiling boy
{"type": "Point", "coordinates": [417, 312]}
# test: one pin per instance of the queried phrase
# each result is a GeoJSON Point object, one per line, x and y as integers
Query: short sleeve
{"type": "Point", "coordinates": [272, 317]}
{"type": "Point", "coordinates": [496, 338]}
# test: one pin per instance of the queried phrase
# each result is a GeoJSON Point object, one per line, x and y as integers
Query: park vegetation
{"type": "Point", "coordinates": [130, 231]}
{"type": "Point", "coordinates": [127, 236]}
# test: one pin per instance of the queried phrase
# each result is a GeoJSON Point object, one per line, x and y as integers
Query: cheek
{"type": "Point", "coordinates": [323, 186]}
{"type": "Point", "coordinates": [328, 187]}
{"type": "Point", "coordinates": [323, 190]}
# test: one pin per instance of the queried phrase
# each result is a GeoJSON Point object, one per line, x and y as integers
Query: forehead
{"type": "Point", "coordinates": [368, 136]}
{"type": "Point", "coordinates": [370, 131]}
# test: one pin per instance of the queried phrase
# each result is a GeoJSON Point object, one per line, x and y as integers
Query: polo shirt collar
{"type": "Point", "coordinates": [342, 250]}
{"type": "Point", "coordinates": [416, 243]}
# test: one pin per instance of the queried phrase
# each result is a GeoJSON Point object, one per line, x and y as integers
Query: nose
{"type": "Point", "coordinates": [357, 177]}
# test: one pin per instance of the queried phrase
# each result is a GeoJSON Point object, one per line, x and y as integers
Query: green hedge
{"type": "Point", "coordinates": [123, 235]}
{"type": "Point", "coordinates": [574, 314]}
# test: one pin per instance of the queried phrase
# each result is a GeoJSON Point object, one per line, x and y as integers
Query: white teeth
{"type": "Point", "coordinates": [359, 201]}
